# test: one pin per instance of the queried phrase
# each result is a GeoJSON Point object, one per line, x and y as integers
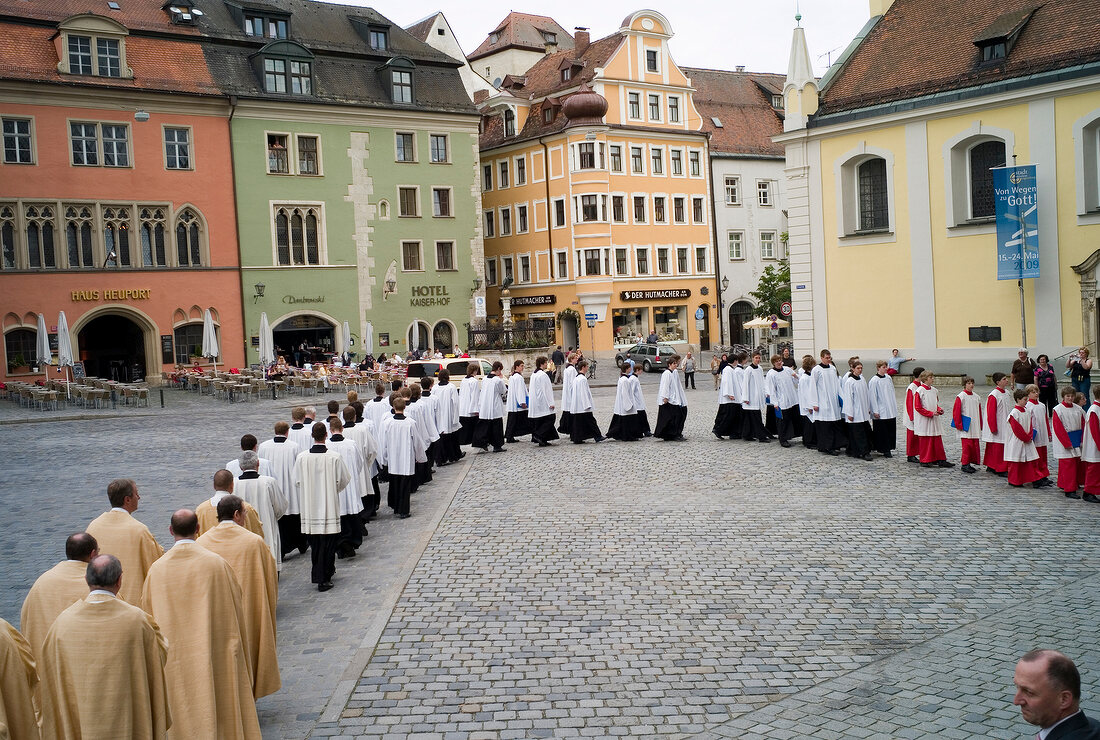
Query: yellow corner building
{"type": "Point", "coordinates": [890, 198]}
{"type": "Point", "coordinates": [595, 193]}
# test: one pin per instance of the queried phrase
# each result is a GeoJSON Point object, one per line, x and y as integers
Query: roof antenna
{"type": "Point", "coordinates": [797, 14]}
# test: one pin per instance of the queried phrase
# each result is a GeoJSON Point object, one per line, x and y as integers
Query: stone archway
{"type": "Point", "coordinates": [117, 342]}
{"type": "Point", "coordinates": [1086, 271]}
{"type": "Point", "coordinates": [740, 312]}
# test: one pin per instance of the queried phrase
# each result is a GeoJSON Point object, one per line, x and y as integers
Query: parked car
{"type": "Point", "coordinates": [456, 366]}
{"type": "Point", "coordinates": [649, 356]}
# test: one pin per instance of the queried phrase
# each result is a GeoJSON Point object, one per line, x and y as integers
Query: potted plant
{"type": "Point", "coordinates": [17, 365]}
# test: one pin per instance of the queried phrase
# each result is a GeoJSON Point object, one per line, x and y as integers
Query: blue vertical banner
{"type": "Point", "coordinates": [1016, 196]}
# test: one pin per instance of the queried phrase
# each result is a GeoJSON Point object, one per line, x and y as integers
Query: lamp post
{"type": "Point", "coordinates": [259, 288]}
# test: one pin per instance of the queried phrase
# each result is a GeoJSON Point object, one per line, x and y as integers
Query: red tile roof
{"type": "Point", "coordinates": [421, 29]}
{"type": "Point", "coordinates": [739, 101]}
{"type": "Point", "coordinates": [920, 47]}
{"type": "Point", "coordinates": [523, 31]}
{"type": "Point", "coordinates": [158, 64]}
{"type": "Point", "coordinates": [141, 15]}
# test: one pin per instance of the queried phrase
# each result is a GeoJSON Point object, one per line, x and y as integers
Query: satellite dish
{"type": "Point", "coordinates": [196, 11]}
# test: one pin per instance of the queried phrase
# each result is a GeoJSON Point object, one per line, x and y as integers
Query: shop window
{"type": "Point", "coordinates": [20, 347]}
{"type": "Point", "coordinates": [628, 324]}
{"type": "Point", "coordinates": [188, 340]}
{"type": "Point", "coordinates": [669, 322]}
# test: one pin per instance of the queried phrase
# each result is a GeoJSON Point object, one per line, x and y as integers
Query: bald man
{"type": "Point", "coordinates": [207, 511]}
{"type": "Point", "coordinates": [1048, 693]}
{"type": "Point", "coordinates": [195, 597]}
{"type": "Point", "coordinates": [121, 646]}
{"type": "Point", "coordinates": [57, 589]}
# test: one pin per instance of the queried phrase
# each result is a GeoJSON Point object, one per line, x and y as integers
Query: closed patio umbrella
{"type": "Point", "coordinates": [267, 342]}
{"type": "Point", "coordinates": [64, 346]}
{"type": "Point", "coordinates": [368, 339]}
{"type": "Point", "coordinates": [42, 346]}
{"type": "Point", "coordinates": [209, 339]}
{"type": "Point", "coordinates": [347, 337]}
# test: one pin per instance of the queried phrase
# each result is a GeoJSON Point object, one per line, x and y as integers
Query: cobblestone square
{"type": "Point", "coordinates": [697, 589]}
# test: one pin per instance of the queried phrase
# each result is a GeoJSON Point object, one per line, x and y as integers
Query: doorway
{"type": "Point", "coordinates": [317, 335]}
{"type": "Point", "coordinates": [419, 336]}
{"type": "Point", "coordinates": [443, 337]}
{"type": "Point", "coordinates": [740, 312]}
{"type": "Point", "coordinates": [113, 347]}
{"type": "Point", "coordinates": [569, 332]}
{"type": "Point", "coordinates": [704, 328]}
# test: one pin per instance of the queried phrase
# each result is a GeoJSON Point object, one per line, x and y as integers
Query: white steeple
{"type": "Point", "coordinates": [800, 89]}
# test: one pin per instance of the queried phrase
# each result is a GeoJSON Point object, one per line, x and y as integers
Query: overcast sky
{"type": "Point", "coordinates": [720, 34]}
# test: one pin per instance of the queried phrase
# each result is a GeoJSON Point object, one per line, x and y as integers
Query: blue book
{"type": "Point", "coordinates": [1034, 434]}
{"type": "Point", "coordinates": [966, 424]}
{"type": "Point", "coordinates": [840, 401]}
{"type": "Point", "coordinates": [778, 413]}
{"type": "Point", "coordinates": [1075, 437]}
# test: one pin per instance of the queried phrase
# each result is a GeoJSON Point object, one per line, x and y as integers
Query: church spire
{"type": "Point", "coordinates": [800, 89]}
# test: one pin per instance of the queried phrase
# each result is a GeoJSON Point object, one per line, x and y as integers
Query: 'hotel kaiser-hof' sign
{"type": "Point", "coordinates": [1016, 196]}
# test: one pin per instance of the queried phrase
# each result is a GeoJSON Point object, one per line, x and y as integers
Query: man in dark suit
{"type": "Point", "coordinates": [1048, 693]}
{"type": "Point", "coordinates": [558, 358]}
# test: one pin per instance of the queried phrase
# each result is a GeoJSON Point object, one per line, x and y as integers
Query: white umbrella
{"type": "Point", "coordinates": [42, 345]}
{"type": "Point", "coordinates": [368, 339]}
{"type": "Point", "coordinates": [64, 346]}
{"type": "Point", "coordinates": [209, 339]}
{"type": "Point", "coordinates": [267, 342]}
{"type": "Point", "coordinates": [347, 337]}
{"type": "Point", "coordinates": [766, 324]}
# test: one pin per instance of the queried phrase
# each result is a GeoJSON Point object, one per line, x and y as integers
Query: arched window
{"type": "Point", "coordinates": [116, 235]}
{"type": "Point", "coordinates": [297, 235]}
{"type": "Point", "coordinates": [7, 237]}
{"type": "Point", "coordinates": [78, 236]}
{"type": "Point", "coordinates": [188, 341]}
{"type": "Point", "coordinates": [153, 252]}
{"type": "Point", "coordinates": [874, 203]}
{"type": "Point", "coordinates": [19, 348]}
{"type": "Point", "coordinates": [40, 237]}
{"type": "Point", "coordinates": [982, 158]}
{"type": "Point", "coordinates": [188, 239]}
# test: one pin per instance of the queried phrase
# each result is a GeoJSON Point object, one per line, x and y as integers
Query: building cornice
{"type": "Point", "coordinates": [349, 115]}
{"type": "Point", "coordinates": [152, 101]}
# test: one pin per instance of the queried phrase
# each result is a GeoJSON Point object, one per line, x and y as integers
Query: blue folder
{"type": "Point", "coordinates": [966, 424]}
{"type": "Point", "coordinates": [1075, 437]}
{"type": "Point", "coordinates": [840, 401]}
{"type": "Point", "coordinates": [778, 413]}
{"type": "Point", "coordinates": [1034, 434]}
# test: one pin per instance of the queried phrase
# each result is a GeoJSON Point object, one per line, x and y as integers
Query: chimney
{"type": "Point", "coordinates": [580, 40]}
{"type": "Point", "coordinates": [740, 67]}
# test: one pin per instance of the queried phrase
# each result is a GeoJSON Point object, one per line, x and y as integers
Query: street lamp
{"type": "Point", "coordinates": [260, 288]}
{"type": "Point", "coordinates": [725, 283]}
{"type": "Point", "coordinates": [388, 287]}
{"type": "Point", "coordinates": [477, 284]}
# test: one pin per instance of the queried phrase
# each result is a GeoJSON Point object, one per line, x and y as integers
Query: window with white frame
{"type": "Point", "coordinates": [700, 259]}
{"type": "Point", "coordinates": [662, 261]}
{"type": "Point", "coordinates": [309, 154]}
{"type": "Point", "coordinates": [969, 159]}
{"type": "Point", "coordinates": [99, 52]}
{"type": "Point", "coordinates": [677, 156]}
{"type": "Point", "coordinates": [697, 215]}
{"type": "Point", "coordinates": [18, 142]}
{"type": "Point", "coordinates": [502, 181]}
{"type": "Point", "coordinates": [651, 60]}
{"type": "Point", "coordinates": [521, 219]}
{"type": "Point", "coordinates": [735, 240]}
{"type": "Point", "coordinates": [634, 105]}
{"type": "Point", "coordinates": [188, 240]}
{"type": "Point", "coordinates": [509, 123]}
{"type": "Point", "coordinates": [682, 260]}
{"type": "Point", "coordinates": [733, 191]}
{"type": "Point", "coordinates": [586, 155]}
{"type": "Point", "coordinates": [1086, 137]}
{"type": "Point", "coordinates": [657, 160]}
{"type": "Point", "coordinates": [408, 202]}
{"type": "Point", "coordinates": [642, 255]}
{"type": "Point", "coordinates": [673, 109]}
{"type": "Point", "coordinates": [490, 224]}
{"type": "Point", "coordinates": [177, 148]}
{"type": "Point", "coordinates": [639, 209]}
{"type": "Point", "coordinates": [521, 170]}
{"type": "Point", "coordinates": [764, 192]}
{"type": "Point", "coordinates": [767, 245]}
{"type": "Point", "coordinates": [487, 178]}
{"type": "Point", "coordinates": [508, 270]}
{"type": "Point", "coordinates": [654, 107]}
{"type": "Point", "coordinates": [490, 272]}
{"type": "Point", "coordinates": [616, 158]}
{"type": "Point", "coordinates": [618, 211]}
{"type": "Point", "coordinates": [592, 262]}
{"type": "Point", "coordinates": [298, 235]}
{"type": "Point", "coordinates": [405, 147]}
{"type": "Point", "coordinates": [866, 192]}
{"type": "Point", "coordinates": [401, 86]}
{"type": "Point", "coordinates": [438, 144]}
{"type": "Point", "coordinates": [694, 164]}
{"type": "Point", "coordinates": [982, 159]}
{"type": "Point", "coordinates": [524, 268]}
{"type": "Point", "coordinates": [441, 203]}
{"type": "Point", "coordinates": [559, 212]}
{"type": "Point", "coordinates": [445, 256]}
{"type": "Point", "coordinates": [678, 210]}
{"type": "Point", "coordinates": [505, 221]}
{"type": "Point", "coordinates": [563, 266]}
{"type": "Point", "coordinates": [659, 214]}
{"type": "Point", "coordinates": [637, 162]}
{"type": "Point", "coordinates": [621, 266]}
{"type": "Point", "coordinates": [95, 144]}
{"type": "Point", "coordinates": [411, 258]}
{"type": "Point", "coordinates": [874, 204]}
{"type": "Point", "coordinates": [278, 154]}
{"type": "Point", "coordinates": [589, 208]}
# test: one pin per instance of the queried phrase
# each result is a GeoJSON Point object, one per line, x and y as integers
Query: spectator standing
{"type": "Point", "coordinates": [1023, 370]}
{"type": "Point", "coordinates": [689, 371]}
{"type": "Point", "coordinates": [716, 369]}
{"type": "Point", "coordinates": [1047, 382]}
{"type": "Point", "coordinates": [1080, 367]}
{"type": "Point", "coordinates": [558, 358]}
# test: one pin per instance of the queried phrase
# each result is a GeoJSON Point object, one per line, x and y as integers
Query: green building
{"type": "Point", "coordinates": [355, 163]}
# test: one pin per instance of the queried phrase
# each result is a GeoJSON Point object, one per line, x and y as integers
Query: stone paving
{"type": "Point", "coordinates": [703, 588]}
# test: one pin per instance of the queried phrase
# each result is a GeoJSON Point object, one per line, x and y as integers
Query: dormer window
{"type": "Point", "coordinates": [378, 39]}
{"type": "Point", "coordinates": [549, 37]}
{"type": "Point", "coordinates": [566, 73]}
{"type": "Point", "coordinates": [777, 101]}
{"type": "Point", "coordinates": [998, 38]}
{"type": "Point", "coordinates": [509, 123]}
{"type": "Point", "coordinates": [263, 26]}
{"type": "Point", "coordinates": [92, 45]}
{"type": "Point", "coordinates": [285, 68]}
{"type": "Point", "coordinates": [494, 37]}
{"type": "Point", "coordinates": [547, 115]}
{"type": "Point", "coordinates": [397, 76]}
{"type": "Point", "coordinates": [183, 13]}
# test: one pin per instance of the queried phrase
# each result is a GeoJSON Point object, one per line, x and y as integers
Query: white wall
{"type": "Point", "coordinates": [448, 44]}
{"type": "Point", "coordinates": [749, 218]}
